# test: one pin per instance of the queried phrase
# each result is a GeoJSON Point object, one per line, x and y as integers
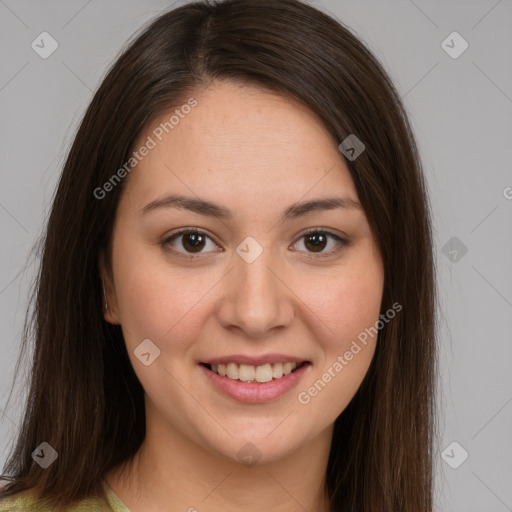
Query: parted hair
{"type": "Point", "coordinates": [83, 396]}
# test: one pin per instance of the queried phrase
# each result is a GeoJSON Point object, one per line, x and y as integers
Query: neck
{"type": "Point", "coordinates": [169, 472]}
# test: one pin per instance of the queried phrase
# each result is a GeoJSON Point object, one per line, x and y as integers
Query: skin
{"type": "Point", "coordinates": [255, 153]}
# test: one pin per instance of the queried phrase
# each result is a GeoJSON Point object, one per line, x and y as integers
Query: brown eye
{"type": "Point", "coordinates": [189, 242]}
{"type": "Point", "coordinates": [193, 242]}
{"type": "Point", "coordinates": [317, 241]}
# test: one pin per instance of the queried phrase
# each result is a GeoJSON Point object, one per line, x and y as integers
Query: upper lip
{"type": "Point", "coordinates": [255, 360]}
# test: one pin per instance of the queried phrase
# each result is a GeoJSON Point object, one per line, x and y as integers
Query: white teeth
{"type": "Point", "coordinates": [246, 372]}
{"type": "Point", "coordinates": [288, 367]}
{"type": "Point", "coordinates": [249, 373]}
{"type": "Point", "coordinates": [277, 370]}
{"type": "Point", "coordinates": [232, 371]}
{"type": "Point", "coordinates": [264, 373]}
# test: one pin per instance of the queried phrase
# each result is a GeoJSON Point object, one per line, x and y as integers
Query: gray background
{"type": "Point", "coordinates": [460, 109]}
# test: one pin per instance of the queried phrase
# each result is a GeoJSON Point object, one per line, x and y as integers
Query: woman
{"type": "Point", "coordinates": [236, 303]}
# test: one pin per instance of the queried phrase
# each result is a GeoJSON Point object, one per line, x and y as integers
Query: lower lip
{"type": "Point", "coordinates": [256, 392]}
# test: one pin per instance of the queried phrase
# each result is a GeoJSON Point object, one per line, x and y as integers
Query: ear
{"type": "Point", "coordinates": [109, 298]}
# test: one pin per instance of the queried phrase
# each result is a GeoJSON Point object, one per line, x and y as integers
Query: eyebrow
{"type": "Point", "coordinates": [210, 209]}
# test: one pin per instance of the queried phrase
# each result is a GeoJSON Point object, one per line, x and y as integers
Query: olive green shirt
{"type": "Point", "coordinates": [25, 502]}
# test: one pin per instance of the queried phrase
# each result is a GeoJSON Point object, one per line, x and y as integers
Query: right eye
{"type": "Point", "coordinates": [188, 242]}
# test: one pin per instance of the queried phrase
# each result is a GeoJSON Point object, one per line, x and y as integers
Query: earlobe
{"type": "Point", "coordinates": [108, 307]}
{"type": "Point", "coordinates": [107, 315]}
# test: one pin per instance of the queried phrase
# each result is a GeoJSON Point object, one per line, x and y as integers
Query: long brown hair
{"type": "Point", "coordinates": [84, 397]}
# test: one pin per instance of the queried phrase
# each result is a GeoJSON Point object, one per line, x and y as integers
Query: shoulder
{"type": "Point", "coordinates": [21, 501]}
{"type": "Point", "coordinates": [26, 502]}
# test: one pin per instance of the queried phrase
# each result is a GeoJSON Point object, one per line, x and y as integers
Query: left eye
{"type": "Point", "coordinates": [317, 241]}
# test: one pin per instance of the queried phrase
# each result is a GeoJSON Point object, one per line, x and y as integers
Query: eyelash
{"type": "Point", "coordinates": [342, 242]}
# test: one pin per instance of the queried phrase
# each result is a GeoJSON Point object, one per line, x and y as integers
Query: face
{"type": "Point", "coordinates": [264, 269]}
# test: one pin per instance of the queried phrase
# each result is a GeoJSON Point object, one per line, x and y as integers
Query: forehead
{"type": "Point", "coordinates": [240, 139]}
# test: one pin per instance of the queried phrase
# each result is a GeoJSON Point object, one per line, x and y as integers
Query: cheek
{"type": "Point", "coordinates": [348, 309]}
{"type": "Point", "coordinates": [358, 305]}
{"type": "Point", "coordinates": [158, 302]}
{"type": "Point", "coordinates": [345, 302]}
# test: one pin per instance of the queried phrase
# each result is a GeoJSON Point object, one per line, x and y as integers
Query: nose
{"type": "Point", "coordinates": [256, 297]}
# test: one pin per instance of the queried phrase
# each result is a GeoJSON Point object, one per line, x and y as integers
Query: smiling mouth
{"type": "Point", "coordinates": [255, 374]}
